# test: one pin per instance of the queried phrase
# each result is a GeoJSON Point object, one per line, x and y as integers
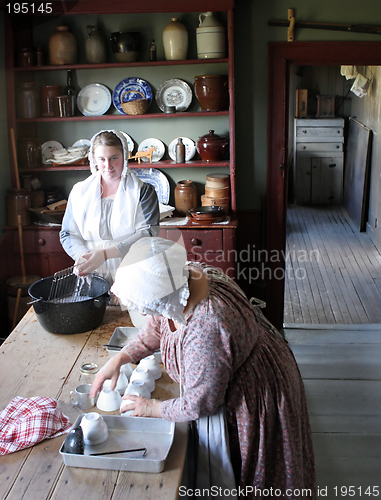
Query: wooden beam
{"type": "Point", "coordinates": [351, 28]}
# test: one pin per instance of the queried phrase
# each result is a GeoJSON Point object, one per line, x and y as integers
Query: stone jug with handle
{"type": "Point", "coordinates": [211, 37]}
{"type": "Point", "coordinates": [95, 46]}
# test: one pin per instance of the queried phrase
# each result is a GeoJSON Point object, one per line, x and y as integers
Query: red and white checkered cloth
{"type": "Point", "coordinates": [27, 421]}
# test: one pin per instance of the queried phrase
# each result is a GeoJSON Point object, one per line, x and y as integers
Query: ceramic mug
{"type": "Point", "coordinates": [82, 397]}
{"type": "Point", "coordinates": [95, 430]}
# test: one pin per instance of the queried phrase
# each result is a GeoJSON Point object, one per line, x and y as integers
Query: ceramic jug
{"type": "Point", "coordinates": [95, 46]}
{"type": "Point", "coordinates": [62, 47]}
{"type": "Point", "coordinates": [175, 40]}
{"type": "Point", "coordinates": [211, 37]}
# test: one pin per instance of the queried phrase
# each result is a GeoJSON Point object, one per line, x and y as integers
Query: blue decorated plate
{"type": "Point", "coordinates": [131, 89]}
{"type": "Point", "coordinates": [158, 181]}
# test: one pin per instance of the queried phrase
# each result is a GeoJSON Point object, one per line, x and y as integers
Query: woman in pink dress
{"type": "Point", "coordinates": [239, 381]}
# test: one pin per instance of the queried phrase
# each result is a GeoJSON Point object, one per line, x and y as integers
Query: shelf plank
{"type": "Point", "coordinates": [157, 164]}
{"type": "Point", "coordinates": [137, 64]}
{"type": "Point", "coordinates": [122, 117]}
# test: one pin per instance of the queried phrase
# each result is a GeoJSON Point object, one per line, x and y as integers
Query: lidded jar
{"type": "Point", "coordinates": [185, 196]}
{"type": "Point", "coordinates": [28, 101]}
{"type": "Point", "coordinates": [175, 40]}
{"type": "Point", "coordinates": [62, 47]}
{"type": "Point", "coordinates": [211, 37]}
{"type": "Point", "coordinates": [211, 147]}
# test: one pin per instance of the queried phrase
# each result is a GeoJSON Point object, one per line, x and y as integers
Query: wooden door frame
{"type": "Point", "coordinates": [281, 55]}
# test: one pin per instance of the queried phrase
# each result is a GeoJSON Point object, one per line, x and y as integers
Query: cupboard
{"type": "Point", "coordinates": [33, 29]}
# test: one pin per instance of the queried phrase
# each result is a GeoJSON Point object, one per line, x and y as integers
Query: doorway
{"type": "Point", "coordinates": [281, 57]}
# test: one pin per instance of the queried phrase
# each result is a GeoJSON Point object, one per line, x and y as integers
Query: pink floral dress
{"type": "Point", "coordinates": [225, 355]}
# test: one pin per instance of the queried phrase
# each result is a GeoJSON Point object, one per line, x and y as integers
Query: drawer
{"type": "Point", "coordinates": [313, 147]}
{"type": "Point", "coordinates": [319, 134]}
{"type": "Point", "coordinates": [38, 241]}
{"type": "Point", "coordinates": [198, 241]}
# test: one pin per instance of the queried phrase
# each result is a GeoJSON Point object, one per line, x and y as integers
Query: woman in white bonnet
{"type": "Point", "coordinates": [239, 382]}
{"type": "Point", "coordinates": [109, 211]}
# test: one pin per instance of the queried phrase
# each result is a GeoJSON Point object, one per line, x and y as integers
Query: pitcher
{"type": "Point", "coordinates": [211, 37]}
{"type": "Point", "coordinates": [95, 46]}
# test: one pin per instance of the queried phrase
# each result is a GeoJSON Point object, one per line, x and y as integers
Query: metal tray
{"type": "Point", "coordinates": [154, 434]}
{"type": "Point", "coordinates": [122, 335]}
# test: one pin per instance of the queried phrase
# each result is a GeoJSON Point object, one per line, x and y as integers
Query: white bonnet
{"type": "Point", "coordinates": [153, 278]}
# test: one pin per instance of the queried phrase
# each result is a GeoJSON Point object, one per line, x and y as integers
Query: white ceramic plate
{"type": "Point", "coordinates": [190, 148]}
{"type": "Point", "coordinates": [94, 100]}
{"type": "Point", "coordinates": [47, 150]}
{"type": "Point", "coordinates": [81, 142]}
{"type": "Point", "coordinates": [129, 141]}
{"type": "Point", "coordinates": [158, 154]}
{"type": "Point", "coordinates": [174, 92]}
{"type": "Point", "coordinates": [158, 180]}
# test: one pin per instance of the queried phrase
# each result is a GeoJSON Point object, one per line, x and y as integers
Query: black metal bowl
{"type": "Point", "coordinates": [70, 317]}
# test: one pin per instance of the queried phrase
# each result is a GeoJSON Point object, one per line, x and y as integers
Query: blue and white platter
{"type": "Point", "coordinates": [157, 179]}
{"type": "Point", "coordinates": [131, 89]}
{"type": "Point", "coordinates": [94, 100]}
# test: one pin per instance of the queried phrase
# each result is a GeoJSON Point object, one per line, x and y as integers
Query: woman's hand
{"type": "Point", "coordinates": [90, 261]}
{"type": "Point", "coordinates": [142, 407]}
{"type": "Point", "coordinates": [111, 371]}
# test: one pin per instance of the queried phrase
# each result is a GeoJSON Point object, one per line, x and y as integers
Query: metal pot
{"type": "Point", "coordinates": [126, 45]}
{"type": "Point", "coordinates": [70, 317]}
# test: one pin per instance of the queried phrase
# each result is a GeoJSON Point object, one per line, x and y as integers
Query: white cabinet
{"type": "Point", "coordinates": [318, 161]}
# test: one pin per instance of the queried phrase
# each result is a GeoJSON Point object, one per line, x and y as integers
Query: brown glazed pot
{"type": "Point", "coordinates": [185, 196]}
{"type": "Point", "coordinates": [47, 94]}
{"type": "Point", "coordinates": [211, 92]}
{"type": "Point", "coordinates": [62, 47]}
{"type": "Point", "coordinates": [211, 147]}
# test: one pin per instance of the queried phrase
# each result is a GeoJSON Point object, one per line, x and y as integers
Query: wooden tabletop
{"type": "Point", "coordinates": [34, 362]}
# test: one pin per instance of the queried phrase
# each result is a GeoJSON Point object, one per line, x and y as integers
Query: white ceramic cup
{"type": "Point", "coordinates": [140, 387]}
{"type": "Point", "coordinates": [109, 400]}
{"type": "Point", "coordinates": [141, 373]}
{"type": "Point", "coordinates": [95, 430]}
{"type": "Point", "coordinates": [128, 401]}
{"type": "Point", "coordinates": [127, 370]}
{"type": "Point", "coordinates": [151, 363]}
{"type": "Point", "coordinates": [121, 384]}
{"type": "Point", "coordinates": [82, 397]}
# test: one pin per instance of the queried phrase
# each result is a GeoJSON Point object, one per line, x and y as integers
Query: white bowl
{"type": "Point", "coordinates": [141, 373]}
{"type": "Point", "coordinates": [151, 363]}
{"type": "Point", "coordinates": [140, 387]}
{"type": "Point", "coordinates": [109, 400]}
{"type": "Point", "coordinates": [95, 430]}
{"type": "Point", "coordinates": [138, 319]}
{"type": "Point", "coordinates": [126, 402]}
{"type": "Point", "coordinates": [121, 384]}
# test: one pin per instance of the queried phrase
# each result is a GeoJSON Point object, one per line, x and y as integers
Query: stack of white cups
{"type": "Point", "coordinates": [142, 380]}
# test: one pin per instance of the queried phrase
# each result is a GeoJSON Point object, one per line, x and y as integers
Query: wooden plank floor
{"type": "Point", "coordinates": [340, 366]}
{"type": "Point", "coordinates": [333, 272]}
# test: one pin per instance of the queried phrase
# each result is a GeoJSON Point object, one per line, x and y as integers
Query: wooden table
{"type": "Point", "coordinates": [34, 362]}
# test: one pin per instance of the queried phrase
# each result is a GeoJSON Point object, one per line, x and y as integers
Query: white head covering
{"type": "Point", "coordinates": [153, 278]}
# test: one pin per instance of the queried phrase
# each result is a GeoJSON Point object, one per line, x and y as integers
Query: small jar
{"type": "Point", "coordinates": [28, 101]}
{"type": "Point", "coordinates": [30, 155]}
{"type": "Point", "coordinates": [25, 57]}
{"type": "Point", "coordinates": [18, 203]}
{"type": "Point", "coordinates": [39, 56]}
{"type": "Point", "coordinates": [185, 196]}
{"type": "Point", "coordinates": [48, 92]}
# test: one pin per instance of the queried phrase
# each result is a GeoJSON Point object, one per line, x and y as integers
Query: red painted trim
{"type": "Point", "coordinates": [280, 56]}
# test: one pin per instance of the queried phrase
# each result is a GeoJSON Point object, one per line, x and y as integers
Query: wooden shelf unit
{"type": "Point", "coordinates": [19, 33]}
